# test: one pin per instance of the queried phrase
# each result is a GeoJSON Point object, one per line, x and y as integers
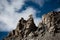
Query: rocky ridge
{"type": "Point", "coordinates": [48, 29]}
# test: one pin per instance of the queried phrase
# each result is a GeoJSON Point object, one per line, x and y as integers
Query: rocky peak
{"type": "Point", "coordinates": [52, 21]}
{"type": "Point", "coordinates": [48, 28]}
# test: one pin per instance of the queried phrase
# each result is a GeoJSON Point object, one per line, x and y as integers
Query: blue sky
{"type": "Point", "coordinates": [12, 10]}
{"type": "Point", "coordinates": [48, 6]}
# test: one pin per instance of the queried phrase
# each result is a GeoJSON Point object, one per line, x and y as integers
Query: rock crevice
{"type": "Point", "coordinates": [48, 29]}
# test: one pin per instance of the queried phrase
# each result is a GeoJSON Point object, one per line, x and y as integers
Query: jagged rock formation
{"type": "Point", "coordinates": [48, 29]}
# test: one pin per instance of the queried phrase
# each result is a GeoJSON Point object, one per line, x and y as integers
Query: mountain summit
{"type": "Point", "coordinates": [48, 29]}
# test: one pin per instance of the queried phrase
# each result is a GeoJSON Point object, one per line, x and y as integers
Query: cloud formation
{"type": "Point", "coordinates": [9, 17]}
{"type": "Point", "coordinates": [39, 2]}
{"type": "Point", "coordinates": [58, 9]}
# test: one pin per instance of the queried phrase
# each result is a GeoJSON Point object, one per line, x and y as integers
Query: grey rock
{"type": "Point", "coordinates": [48, 29]}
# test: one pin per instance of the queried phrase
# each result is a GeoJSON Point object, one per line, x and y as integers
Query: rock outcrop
{"type": "Point", "coordinates": [48, 29]}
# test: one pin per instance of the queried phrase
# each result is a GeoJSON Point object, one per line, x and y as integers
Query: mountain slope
{"type": "Point", "coordinates": [48, 29]}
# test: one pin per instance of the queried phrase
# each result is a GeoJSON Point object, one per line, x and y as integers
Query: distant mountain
{"type": "Point", "coordinates": [48, 28]}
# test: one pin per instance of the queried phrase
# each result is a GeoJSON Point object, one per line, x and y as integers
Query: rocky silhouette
{"type": "Point", "coordinates": [48, 28]}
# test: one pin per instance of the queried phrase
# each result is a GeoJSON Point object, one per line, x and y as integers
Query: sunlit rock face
{"type": "Point", "coordinates": [48, 29]}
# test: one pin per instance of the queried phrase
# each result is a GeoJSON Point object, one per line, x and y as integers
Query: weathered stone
{"type": "Point", "coordinates": [48, 29]}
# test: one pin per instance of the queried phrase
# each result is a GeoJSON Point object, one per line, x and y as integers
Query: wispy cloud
{"type": "Point", "coordinates": [58, 9]}
{"type": "Point", "coordinates": [39, 2]}
{"type": "Point", "coordinates": [9, 17]}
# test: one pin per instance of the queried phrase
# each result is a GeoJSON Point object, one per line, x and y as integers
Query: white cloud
{"type": "Point", "coordinates": [9, 17]}
{"type": "Point", "coordinates": [39, 2]}
{"type": "Point", "coordinates": [58, 9]}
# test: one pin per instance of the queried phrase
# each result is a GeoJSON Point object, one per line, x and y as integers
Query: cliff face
{"type": "Point", "coordinates": [48, 29]}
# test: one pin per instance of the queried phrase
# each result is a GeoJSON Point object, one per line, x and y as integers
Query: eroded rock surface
{"type": "Point", "coordinates": [48, 29]}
